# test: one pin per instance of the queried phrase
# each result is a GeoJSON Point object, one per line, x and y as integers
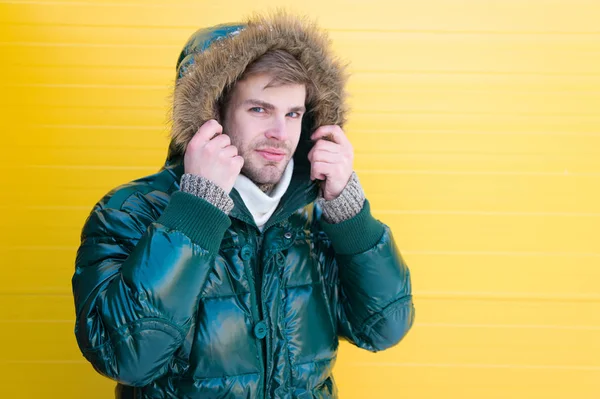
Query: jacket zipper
{"type": "Point", "coordinates": [255, 280]}
{"type": "Point", "coordinates": [261, 310]}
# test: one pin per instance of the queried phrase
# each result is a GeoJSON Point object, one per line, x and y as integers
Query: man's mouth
{"type": "Point", "coordinates": [271, 154]}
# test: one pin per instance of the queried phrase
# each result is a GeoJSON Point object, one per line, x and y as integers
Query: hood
{"type": "Point", "coordinates": [215, 58]}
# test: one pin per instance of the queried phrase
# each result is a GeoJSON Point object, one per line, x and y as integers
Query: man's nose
{"type": "Point", "coordinates": [277, 130]}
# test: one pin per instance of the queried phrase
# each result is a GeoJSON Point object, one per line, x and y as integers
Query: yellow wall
{"type": "Point", "coordinates": [477, 138]}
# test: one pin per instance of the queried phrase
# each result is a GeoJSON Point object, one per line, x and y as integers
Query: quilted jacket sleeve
{"type": "Point", "coordinates": [137, 281]}
{"type": "Point", "coordinates": [374, 299]}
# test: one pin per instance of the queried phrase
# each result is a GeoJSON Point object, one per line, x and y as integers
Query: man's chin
{"type": "Point", "coordinates": [268, 174]}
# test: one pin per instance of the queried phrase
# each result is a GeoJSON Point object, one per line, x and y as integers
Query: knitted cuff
{"type": "Point", "coordinates": [207, 190]}
{"type": "Point", "coordinates": [347, 205]}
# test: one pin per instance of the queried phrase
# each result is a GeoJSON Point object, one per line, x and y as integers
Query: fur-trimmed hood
{"type": "Point", "coordinates": [215, 58]}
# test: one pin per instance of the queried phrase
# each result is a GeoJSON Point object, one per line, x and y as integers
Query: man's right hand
{"type": "Point", "coordinates": [209, 154]}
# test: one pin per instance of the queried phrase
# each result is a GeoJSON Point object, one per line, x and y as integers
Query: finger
{"type": "Point", "coordinates": [328, 146]}
{"type": "Point", "coordinates": [331, 133]}
{"type": "Point", "coordinates": [239, 161]}
{"type": "Point", "coordinates": [230, 151]}
{"type": "Point", "coordinates": [323, 145]}
{"type": "Point", "coordinates": [324, 132]}
{"type": "Point", "coordinates": [324, 156]}
{"type": "Point", "coordinates": [320, 170]}
{"type": "Point", "coordinates": [221, 141]}
{"type": "Point", "coordinates": [207, 131]}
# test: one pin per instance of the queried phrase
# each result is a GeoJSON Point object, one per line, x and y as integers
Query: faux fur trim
{"type": "Point", "coordinates": [197, 93]}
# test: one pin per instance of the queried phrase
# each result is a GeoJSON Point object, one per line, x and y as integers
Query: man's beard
{"type": "Point", "coordinates": [264, 174]}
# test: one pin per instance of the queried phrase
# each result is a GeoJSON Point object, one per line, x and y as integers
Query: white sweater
{"type": "Point", "coordinates": [260, 204]}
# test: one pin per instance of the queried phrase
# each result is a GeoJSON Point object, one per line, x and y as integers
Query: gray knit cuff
{"type": "Point", "coordinates": [207, 190]}
{"type": "Point", "coordinates": [347, 205]}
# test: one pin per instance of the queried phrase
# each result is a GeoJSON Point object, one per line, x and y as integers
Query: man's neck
{"type": "Point", "coordinates": [265, 188]}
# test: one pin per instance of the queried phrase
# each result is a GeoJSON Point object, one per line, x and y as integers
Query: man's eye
{"type": "Point", "coordinates": [294, 114]}
{"type": "Point", "coordinates": [257, 109]}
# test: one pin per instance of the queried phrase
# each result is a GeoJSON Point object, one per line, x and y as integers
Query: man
{"type": "Point", "coordinates": [232, 271]}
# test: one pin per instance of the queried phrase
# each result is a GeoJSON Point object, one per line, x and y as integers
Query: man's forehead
{"type": "Point", "coordinates": [267, 89]}
{"type": "Point", "coordinates": [264, 81]}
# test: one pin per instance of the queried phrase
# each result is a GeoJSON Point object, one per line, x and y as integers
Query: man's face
{"type": "Point", "coordinates": [264, 123]}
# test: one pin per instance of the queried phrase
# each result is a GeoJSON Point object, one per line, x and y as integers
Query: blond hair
{"type": "Point", "coordinates": [283, 68]}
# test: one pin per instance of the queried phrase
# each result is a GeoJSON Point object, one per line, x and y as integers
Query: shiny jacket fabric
{"type": "Point", "coordinates": [175, 299]}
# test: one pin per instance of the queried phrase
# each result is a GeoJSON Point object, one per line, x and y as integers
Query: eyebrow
{"type": "Point", "coordinates": [271, 107]}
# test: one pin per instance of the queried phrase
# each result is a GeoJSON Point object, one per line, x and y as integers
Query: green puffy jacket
{"type": "Point", "coordinates": [176, 299]}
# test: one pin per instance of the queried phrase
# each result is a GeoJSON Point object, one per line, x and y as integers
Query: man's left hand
{"type": "Point", "coordinates": [331, 160]}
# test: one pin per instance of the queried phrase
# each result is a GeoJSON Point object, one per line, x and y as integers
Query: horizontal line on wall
{"type": "Point", "coordinates": [504, 253]}
{"type": "Point", "coordinates": [108, 148]}
{"type": "Point", "coordinates": [475, 366]}
{"type": "Point", "coordinates": [482, 213]}
{"type": "Point", "coordinates": [453, 113]}
{"type": "Point", "coordinates": [474, 72]}
{"type": "Point", "coordinates": [38, 247]}
{"type": "Point", "coordinates": [159, 109]}
{"type": "Point", "coordinates": [33, 321]}
{"type": "Point", "coordinates": [49, 207]}
{"type": "Point", "coordinates": [89, 45]}
{"type": "Point", "coordinates": [91, 86]}
{"type": "Point", "coordinates": [507, 326]}
{"type": "Point", "coordinates": [471, 173]}
{"type": "Point", "coordinates": [491, 91]}
{"type": "Point", "coordinates": [507, 296]}
{"type": "Point", "coordinates": [101, 127]}
{"type": "Point", "coordinates": [146, 67]}
{"type": "Point", "coordinates": [84, 3]}
{"type": "Point", "coordinates": [37, 294]}
{"type": "Point", "coordinates": [549, 154]}
{"type": "Point", "coordinates": [419, 131]}
{"type": "Point", "coordinates": [43, 361]}
{"type": "Point", "coordinates": [474, 32]}
{"type": "Point", "coordinates": [85, 167]}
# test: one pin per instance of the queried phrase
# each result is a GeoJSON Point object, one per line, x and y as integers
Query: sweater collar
{"type": "Point", "coordinates": [300, 192]}
{"type": "Point", "coordinates": [261, 205]}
